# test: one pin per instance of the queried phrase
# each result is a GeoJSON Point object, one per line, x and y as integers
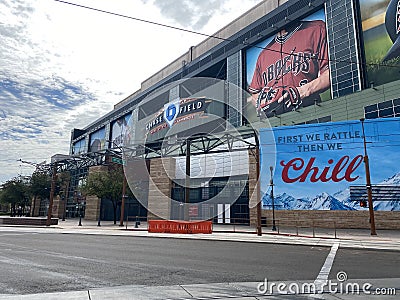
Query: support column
{"type": "Point", "coordinates": [92, 209]}
{"type": "Point", "coordinates": [160, 185]}
{"type": "Point", "coordinates": [252, 189]}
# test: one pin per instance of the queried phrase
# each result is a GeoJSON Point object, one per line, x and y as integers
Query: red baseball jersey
{"type": "Point", "coordinates": [293, 59]}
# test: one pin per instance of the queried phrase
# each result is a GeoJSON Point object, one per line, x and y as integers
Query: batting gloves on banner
{"type": "Point", "coordinates": [270, 97]}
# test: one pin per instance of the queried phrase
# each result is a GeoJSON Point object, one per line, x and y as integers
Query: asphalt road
{"type": "Point", "coordinates": [36, 262]}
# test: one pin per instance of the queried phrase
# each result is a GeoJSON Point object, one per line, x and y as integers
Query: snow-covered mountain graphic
{"type": "Point", "coordinates": [394, 205]}
{"type": "Point", "coordinates": [338, 201]}
{"type": "Point", "coordinates": [322, 201]}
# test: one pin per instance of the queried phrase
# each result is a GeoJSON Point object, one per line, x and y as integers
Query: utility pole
{"type": "Point", "coordinates": [271, 168]}
{"type": "Point", "coordinates": [187, 181]}
{"type": "Point", "coordinates": [65, 198]}
{"type": "Point", "coordinates": [369, 187]}
{"type": "Point", "coordinates": [53, 186]}
{"type": "Point", "coordinates": [257, 156]}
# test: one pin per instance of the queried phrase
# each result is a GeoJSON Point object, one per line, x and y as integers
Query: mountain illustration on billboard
{"type": "Point", "coordinates": [322, 201]}
{"type": "Point", "coordinates": [338, 201]}
{"type": "Point", "coordinates": [393, 205]}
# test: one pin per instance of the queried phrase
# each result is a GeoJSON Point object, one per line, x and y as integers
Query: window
{"type": "Point", "coordinates": [384, 109]}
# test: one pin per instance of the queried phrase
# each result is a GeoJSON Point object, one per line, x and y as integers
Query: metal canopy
{"type": "Point", "coordinates": [228, 141]}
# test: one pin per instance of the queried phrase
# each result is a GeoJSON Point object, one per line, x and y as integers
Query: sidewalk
{"type": "Point", "coordinates": [347, 238]}
{"type": "Point", "coordinates": [386, 240]}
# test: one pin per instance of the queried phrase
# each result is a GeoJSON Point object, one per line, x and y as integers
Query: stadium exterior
{"type": "Point", "coordinates": [356, 90]}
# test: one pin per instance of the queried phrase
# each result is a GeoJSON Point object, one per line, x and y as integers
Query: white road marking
{"type": "Point", "coordinates": [322, 278]}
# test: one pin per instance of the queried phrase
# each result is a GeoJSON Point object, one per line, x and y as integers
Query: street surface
{"type": "Point", "coordinates": [40, 262]}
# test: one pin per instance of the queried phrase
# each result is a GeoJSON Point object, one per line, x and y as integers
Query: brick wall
{"type": "Point", "coordinates": [159, 203]}
{"type": "Point", "coordinates": [329, 218]}
{"type": "Point", "coordinates": [92, 209]}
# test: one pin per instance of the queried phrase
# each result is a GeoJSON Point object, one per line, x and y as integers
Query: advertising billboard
{"type": "Point", "coordinates": [381, 27]}
{"type": "Point", "coordinates": [78, 147]}
{"type": "Point", "coordinates": [290, 70]}
{"type": "Point", "coordinates": [97, 140]}
{"type": "Point", "coordinates": [119, 129]}
{"type": "Point", "coordinates": [319, 166]}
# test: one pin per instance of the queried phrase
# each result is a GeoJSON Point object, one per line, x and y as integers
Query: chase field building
{"type": "Point", "coordinates": [361, 56]}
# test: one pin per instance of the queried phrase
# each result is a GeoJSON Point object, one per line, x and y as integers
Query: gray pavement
{"type": "Point", "coordinates": [358, 239]}
{"type": "Point", "coordinates": [237, 291]}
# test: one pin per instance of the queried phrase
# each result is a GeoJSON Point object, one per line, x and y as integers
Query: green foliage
{"type": "Point", "coordinates": [15, 192]}
{"type": "Point", "coordinates": [375, 49]}
{"type": "Point", "coordinates": [39, 185]}
{"type": "Point", "coordinates": [105, 185]}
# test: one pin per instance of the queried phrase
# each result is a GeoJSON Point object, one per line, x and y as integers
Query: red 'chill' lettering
{"type": "Point", "coordinates": [343, 164]}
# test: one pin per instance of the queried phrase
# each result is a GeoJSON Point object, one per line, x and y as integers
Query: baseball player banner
{"type": "Point", "coordinates": [79, 147]}
{"type": "Point", "coordinates": [97, 140]}
{"type": "Point", "coordinates": [319, 165]}
{"type": "Point", "coordinates": [290, 69]}
{"type": "Point", "coordinates": [381, 28]}
{"type": "Point", "coordinates": [119, 129]}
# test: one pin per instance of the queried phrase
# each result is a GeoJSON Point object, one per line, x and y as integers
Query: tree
{"type": "Point", "coordinates": [14, 192]}
{"type": "Point", "coordinates": [39, 186]}
{"type": "Point", "coordinates": [106, 186]}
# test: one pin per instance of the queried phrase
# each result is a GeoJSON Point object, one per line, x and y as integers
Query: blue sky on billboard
{"type": "Point", "coordinates": [57, 74]}
{"type": "Point", "coordinates": [253, 52]}
{"type": "Point", "coordinates": [325, 145]}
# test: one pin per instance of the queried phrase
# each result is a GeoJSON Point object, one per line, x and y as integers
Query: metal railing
{"type": "Point", "coordinates": [315, 228]}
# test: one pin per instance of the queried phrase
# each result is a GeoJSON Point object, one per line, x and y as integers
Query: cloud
{"type": "Point", "coordinates": [63, 67]}
{"type": "Point", "coordinates": [190, 13]}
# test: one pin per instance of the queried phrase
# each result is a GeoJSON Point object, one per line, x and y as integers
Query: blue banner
{"type": "Point", "coordinates": [318, 164]}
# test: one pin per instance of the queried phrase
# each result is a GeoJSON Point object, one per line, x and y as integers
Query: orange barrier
{"type": "Point", "coordinates": [167, 226]}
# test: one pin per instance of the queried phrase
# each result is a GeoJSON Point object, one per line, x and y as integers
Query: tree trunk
{"type": "Point", "coordinates": [13, 210]}
{"type": "Point", "coordinates": [34, 204]}
{"type": "Point", "coordinates": [115, 212]}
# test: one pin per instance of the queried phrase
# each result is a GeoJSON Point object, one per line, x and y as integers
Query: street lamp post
{"type": "Point", "coordinates": [271, 182]}
{"type": "Point", "coordinates": [99, 219]}
{"type": "Point", "coordinates": [80, 212]}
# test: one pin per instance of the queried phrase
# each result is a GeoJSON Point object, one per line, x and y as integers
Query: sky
{"type": "Point", "coordinates": [63, 67]}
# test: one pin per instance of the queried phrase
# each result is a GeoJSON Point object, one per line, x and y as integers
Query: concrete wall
{"type": "Point", "coordinates": [58, 207]}
{"type": "Point", "coordinates": [92, 209]}
{"type": "Point", "coordinates": [253, 191]}
{"type": "Point", "coordinates": [35, 207]}
{"type": "Point", "coordinates": [332, 219]}
{"type": "Point", "coordinates": [159, 203]}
